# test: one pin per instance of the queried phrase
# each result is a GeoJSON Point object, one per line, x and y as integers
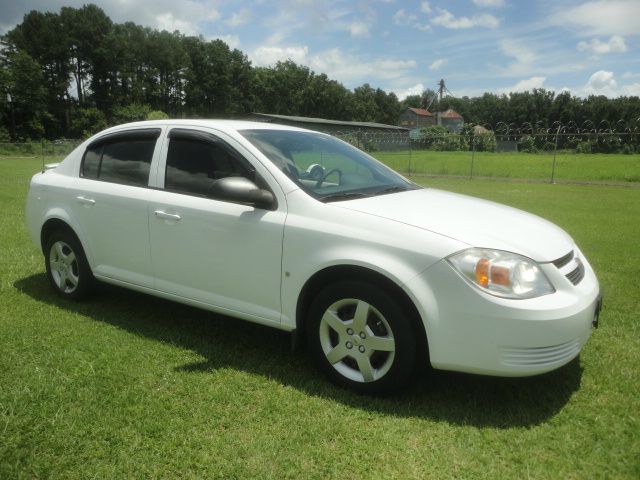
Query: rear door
{"type": "Point", "coordinates": [223, 254]}
{"type": "Point", "coordinates": [110, 201]}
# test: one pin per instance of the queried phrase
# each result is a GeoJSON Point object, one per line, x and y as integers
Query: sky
{"type": "Point", "coordinates": [476, 46]}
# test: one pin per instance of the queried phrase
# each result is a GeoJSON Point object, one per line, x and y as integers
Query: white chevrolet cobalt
{"type": "Point", "coordinates": [301, 231]}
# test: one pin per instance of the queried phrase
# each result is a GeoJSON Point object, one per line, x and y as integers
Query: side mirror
{"type": "Point", "coordinates": [241, 190]}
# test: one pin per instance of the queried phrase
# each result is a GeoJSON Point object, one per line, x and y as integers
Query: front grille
{"type": "Point", "coordinates": [576, 275]}
{"type": "Point", "coordinates": [541, 356]}
{"type": "Point", "coordinates": [562, 261]}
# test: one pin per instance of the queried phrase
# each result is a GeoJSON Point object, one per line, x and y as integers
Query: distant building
{"type": "Point", "coordinates": [417, 118]}
{"type": "Point", "coordinates": [452, 120]}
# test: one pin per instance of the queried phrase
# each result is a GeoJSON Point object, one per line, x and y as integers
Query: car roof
{"type": "Point", "coordinates": [224, 125]}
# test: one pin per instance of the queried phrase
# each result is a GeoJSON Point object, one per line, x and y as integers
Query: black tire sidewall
{"type": "Point", "coordinates": [402, 326]}
{"type": "Point", "coordinates": [85, 276]}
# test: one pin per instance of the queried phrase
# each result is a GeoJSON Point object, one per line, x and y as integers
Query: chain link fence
{"type": "Point", "coordinates": [48, 151]}
{"type": "Point", "coordinates": [558, 153]}
{"type": "Point", "coordinates": [603, 153]}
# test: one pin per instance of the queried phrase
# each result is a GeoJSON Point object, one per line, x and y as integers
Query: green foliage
{"type": "Point", "coordinates": [86, 121]}
{"type": "Point", "coordinates": [4, 135]}
{"type": "Point", "coordinates": [527, 144]}
{"type": "Point", "coordinates": [584, 147]}
{"type": "Point", "coordinates": [157, 115]}
{"type": "Point", "coordinates": [131, 113]}
{"type": "Point", "coordinates": [439, 138]}
{"type": "Point", "coordinates": [482, 141]}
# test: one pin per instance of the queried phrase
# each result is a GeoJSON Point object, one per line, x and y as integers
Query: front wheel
{"type": "Point", "coordinates": [67, 267]}
{"type": "Point", "coordinates": [361, 337]}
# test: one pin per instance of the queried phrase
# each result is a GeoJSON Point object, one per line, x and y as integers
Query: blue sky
{"type": "Point", "coordinates": [586, 47]}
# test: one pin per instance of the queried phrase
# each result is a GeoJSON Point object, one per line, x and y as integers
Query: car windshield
{"type": "Point", "coordinates": [325, 167]}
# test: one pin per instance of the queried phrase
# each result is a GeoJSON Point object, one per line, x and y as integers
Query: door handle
{"type": "Point", "coordinates": [85, 200]}
{"type": "Point", "coordinates": [167, 216]}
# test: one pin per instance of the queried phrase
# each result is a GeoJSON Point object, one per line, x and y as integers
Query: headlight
{"type": "Point", "coordinates": [502, 274]}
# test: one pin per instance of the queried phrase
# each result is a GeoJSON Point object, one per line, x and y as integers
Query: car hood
{"type": "Point", "coordinates": [479, 223]}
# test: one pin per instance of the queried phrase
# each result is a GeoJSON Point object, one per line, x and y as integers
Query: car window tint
{"type": "Point", "coordinates": [91, 162]}
{"type": "Point", "coordinates": [193, 165]}
{"type": "Point", "coordinates": [127, 161]}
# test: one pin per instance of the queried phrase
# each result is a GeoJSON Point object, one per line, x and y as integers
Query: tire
{"type": "Point", "coordinates": [67, 268]}
{"type": "Point", "coordinates": [361, 337]}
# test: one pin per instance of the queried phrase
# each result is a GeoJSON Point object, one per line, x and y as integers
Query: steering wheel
{"type": "Point", "coordinates": [326, 175]}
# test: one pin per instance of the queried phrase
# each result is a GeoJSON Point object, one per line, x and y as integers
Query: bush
{"type": "Point", "coordinates": [131, 113]}
{"type": "Point", "coordinates": [440, 139]}
{"type": "Point", "coordinates": [584, 147]}
{"type": "Point", "coordinates": [87, 121]}
{"type": "Point", "coordinates": [157, 115]}
{"type": "Point", "coordinates": [527, 144]}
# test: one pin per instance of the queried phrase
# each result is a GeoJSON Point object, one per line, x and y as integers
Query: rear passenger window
{"type": "Point", "coordinates": [121, 158]}
{"type": "Point", "coordinates": [196, 160]}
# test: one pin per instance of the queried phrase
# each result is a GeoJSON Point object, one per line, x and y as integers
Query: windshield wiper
{"type": "Point", "coordinates": [394, 189]}
{"type": "Point", "coordinates": [344, 196]}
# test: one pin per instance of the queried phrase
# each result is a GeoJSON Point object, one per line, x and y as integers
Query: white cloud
{"type": "Point", "coordinates": [232, 40]}
{"type": "Point", "coordinates": [167, 21]}
{"type": "Point", "coordinates": [601, 83]}
{"type": "Point", "coordinates": [601, 17]}
{"type": "Point", "coordinates": [626, 75]}
{"type": "Point", "coordinates": [425, 7]}
{"type": "Point", "coordinates": [438, 64]}
{"type": "Point", "coordinates": [359, 29]}
{"type": "Point", "coordinates": [401, 17]}
{"type": "Point", "coordinates": [270, 55]}
{"type": "Point", "coordinates": [406, 92]}
{"type": "Point", "coordinates": [240, 18]}
{"type": "Point", "coordinates": [352, 69]}
{"type": "Point", "coordinates": [526, 85]}
{"type": "Point", "coordinates": [523, 55]}
{"type": "Point", "coordinates": [604, 83]}
{"type": "Point", "coordinates": [335, 63]}
{"type": "Point", "coordinates": [615, 44]}
{"type": "Point", "coordinates": [446, 19]}
{"type": "Point", "coordinates": [490, 3]}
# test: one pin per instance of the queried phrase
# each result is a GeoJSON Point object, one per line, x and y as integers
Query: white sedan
{"type": "Point", "coordinates": [303, 232]}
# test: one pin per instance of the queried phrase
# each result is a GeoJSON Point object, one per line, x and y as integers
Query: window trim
{"type": "Point", "coordinates": [131, 135]}
{"type": "Point", "coordinates": [181, 133]}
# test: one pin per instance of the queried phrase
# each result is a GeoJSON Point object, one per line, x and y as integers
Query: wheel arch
{"type": "Point", "coordinates": [336, 273]}
{"type": "Point", "coordinates": [55, 224]}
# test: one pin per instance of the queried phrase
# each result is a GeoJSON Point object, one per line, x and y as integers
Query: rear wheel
{"type": "Point", "coordinates": [67, 267]}
{"type": "Point", "coordinates": [361, 337]}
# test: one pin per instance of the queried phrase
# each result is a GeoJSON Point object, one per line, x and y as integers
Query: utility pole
{"type": "Point", "coordinates": [441, 89]}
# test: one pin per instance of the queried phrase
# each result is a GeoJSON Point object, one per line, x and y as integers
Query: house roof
{"type": "Point", "coordinates": [451, 114]}
{"type": "Point", "coordinates": [421, 111]}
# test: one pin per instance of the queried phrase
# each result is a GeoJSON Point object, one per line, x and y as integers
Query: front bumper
{"type": "Point", "coordinates": [471, 331]}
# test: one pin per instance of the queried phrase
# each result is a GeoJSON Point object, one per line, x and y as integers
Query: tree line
{"type": "Point", "coordinates": [72, 73]}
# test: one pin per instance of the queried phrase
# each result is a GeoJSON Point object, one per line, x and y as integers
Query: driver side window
{"type": "Point", "coordinates": [195, 160]}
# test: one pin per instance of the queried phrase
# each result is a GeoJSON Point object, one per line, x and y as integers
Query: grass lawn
{"type": "Point", "coordinates": [608, 168]}
{"type": "Point", "coordinates": [129, 386]}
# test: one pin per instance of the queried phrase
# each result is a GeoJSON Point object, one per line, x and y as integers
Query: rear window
{"type": "Point", "coordinates": [121, 158]}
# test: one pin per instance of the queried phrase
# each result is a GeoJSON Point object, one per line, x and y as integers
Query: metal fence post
{"type": "Point", "coordinates": [473, 154]}
{"type": "Point", "coordinates": [555, 150]}
{"type": "Point", "coordinates": [410, 154]}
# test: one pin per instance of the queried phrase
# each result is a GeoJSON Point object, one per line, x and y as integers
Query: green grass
{"type": "Point", "coordinates": [129, 386]}
{"type": "Point", "coordinates": [608, 168]}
